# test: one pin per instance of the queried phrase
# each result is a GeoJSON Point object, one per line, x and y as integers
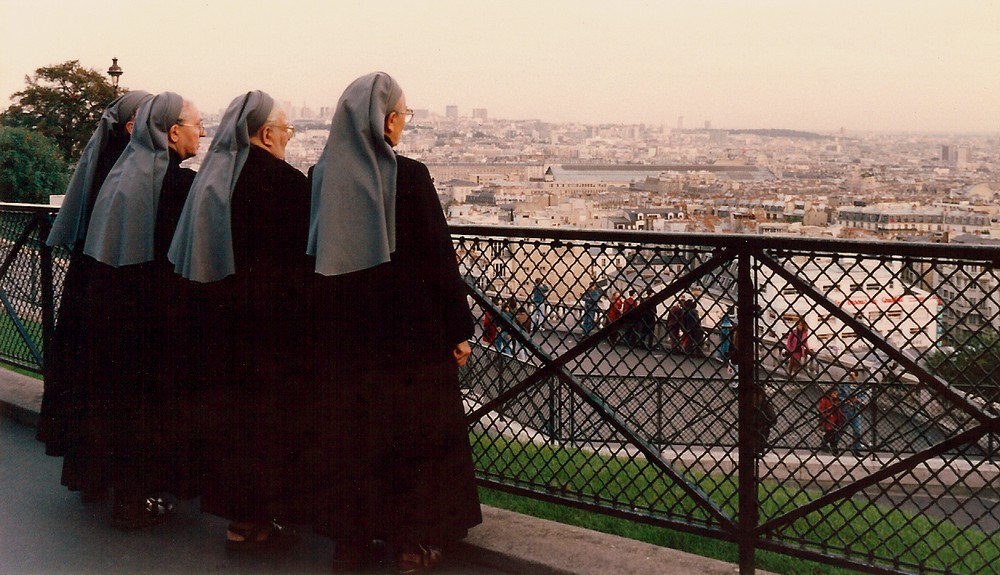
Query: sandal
{"type": "Point", "coordinates": [136, 514]}
{"type": "Point", "coordinates": [419, 557]}
{"type": "Point", "coordinates": [260, 537]}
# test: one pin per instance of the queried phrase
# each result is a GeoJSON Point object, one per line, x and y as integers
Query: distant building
{"type": "Point", "coordinates": [628, 173]}
{"type": "Point", "coordinates": [954, 155]}
{"type": "Point", "coordinates": [647, 219]}
{"type": "Point", "coordinates": [451, 112]}
{"type": "Point", "coordinates": [479, 113]}
{"type": "Point", "coordinates": [896, 220]}
{"type": "Point", "coordinates": [906, 316]}
{"type": "Point", "coordinates": [458, 190]}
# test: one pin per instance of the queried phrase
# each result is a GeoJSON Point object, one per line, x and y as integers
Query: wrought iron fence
{"type": "Point", "coordinates": [685, 407]}
{"type": "Point", "coordinates": [30, 272]}
{"type": "Point", "coordinates": [658, 380]}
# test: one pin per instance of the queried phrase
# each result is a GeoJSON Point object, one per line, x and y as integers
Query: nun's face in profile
{"type": "Point", "coordinates": [276, 139]}
{"type": "Point", "coordinates": [185, 135]}
{"type": "Point", "coordinates": [396, 121]}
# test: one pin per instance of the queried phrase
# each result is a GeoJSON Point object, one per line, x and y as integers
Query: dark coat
{"type": "Point", "coordinates": [388, 399]}
{"type": "Point", "coordinates": [132, 370]}
{"type": "Point", "coordinates": [69, 348]}
{"type": "Point", "coordinates": [253, 326]}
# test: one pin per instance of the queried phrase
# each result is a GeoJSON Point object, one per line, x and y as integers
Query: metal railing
{"type": "Point", "coordinates": [30, 275]}
{"type": "Point", "coordinates": [696, 418]}
{"type": "Point", "coordinates": [663, 416]}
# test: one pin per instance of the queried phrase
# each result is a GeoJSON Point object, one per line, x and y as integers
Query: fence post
{"type": "Point", "coordinates": [746, 358]}
{"type": "Point", "coordinates": [48, 292]}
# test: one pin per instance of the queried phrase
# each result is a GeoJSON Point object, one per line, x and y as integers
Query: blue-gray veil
{"type": "Point", "coordinates": [352, 225]}
{"type": "Point", "coordinates": [202, 248]}
{"type": "Point", "coordinates": [124, 221]}
{"type": "Point", "coordinates": [70, 225]}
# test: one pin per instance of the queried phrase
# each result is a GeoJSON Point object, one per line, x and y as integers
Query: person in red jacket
{"type": "Point", "coordinates": [614, 314]}
{"type": "Point", "coordinates": [831, 420]}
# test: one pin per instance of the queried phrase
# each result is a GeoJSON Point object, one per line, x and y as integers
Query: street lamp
{"type": "Point", "coordinates": [115, 71]}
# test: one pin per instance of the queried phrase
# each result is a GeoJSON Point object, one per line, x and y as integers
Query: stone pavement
{"type": "Point", "coordinates": [45, 529]}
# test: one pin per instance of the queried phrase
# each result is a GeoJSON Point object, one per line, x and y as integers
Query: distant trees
{"type": "Point", "coordinates": [974, 365]}
{"type": "Point", "coordinates": [63, 102]}
{"type": "Point", "coordinates": [31, 167]}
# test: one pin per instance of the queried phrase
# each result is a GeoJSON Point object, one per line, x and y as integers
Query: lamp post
{"type": "Point", "coordinates": [115, 71]}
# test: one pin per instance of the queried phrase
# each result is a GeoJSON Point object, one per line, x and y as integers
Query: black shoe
{"type": "Point", "coordinates": [139, 513]}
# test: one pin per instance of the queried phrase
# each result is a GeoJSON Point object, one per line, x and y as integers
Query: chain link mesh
{"type": "Point", "coordinates": [620, 392]}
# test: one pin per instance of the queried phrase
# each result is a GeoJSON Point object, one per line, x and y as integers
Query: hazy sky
{"type": "Point", "coordinates": [885, 65]}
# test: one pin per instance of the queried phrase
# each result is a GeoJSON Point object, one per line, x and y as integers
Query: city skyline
{"type": "Point", "coordinates": [891, 66]}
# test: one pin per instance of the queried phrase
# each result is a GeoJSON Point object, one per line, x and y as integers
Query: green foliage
{"type": "Point", "coordinates": [31, 167]}
{"type": "Point", "coordinates": [973, 365]}
{"type": "Point", "coordinates": [63, 102]}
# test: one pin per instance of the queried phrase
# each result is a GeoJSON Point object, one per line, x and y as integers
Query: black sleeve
{"type": "Point", "coordinates": [441, 264]}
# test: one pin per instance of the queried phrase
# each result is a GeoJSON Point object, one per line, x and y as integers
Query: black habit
{"type": "Point", "coordinates": [65, 360]}
{"type": "Point", "coordinates": [254, 329]}
{"type": "Point", "coordinates": [126, 425]}
{"type": "Point", "coordinates": [393, 459]}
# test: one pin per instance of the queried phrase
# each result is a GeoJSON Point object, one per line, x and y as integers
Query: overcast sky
{"type": "Point", "coordinates": [882, 65]}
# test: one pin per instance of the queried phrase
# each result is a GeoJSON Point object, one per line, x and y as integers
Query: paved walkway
{"type": "Point", "coordinates": [45, 529]}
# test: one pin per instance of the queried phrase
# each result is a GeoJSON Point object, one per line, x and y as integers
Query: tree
{"type": "Point", "coordinates": [973, 366]}
{"type": "Point", "coordinates": [31, 167]}
{"type": "Point", "coordinates": [63, 102]}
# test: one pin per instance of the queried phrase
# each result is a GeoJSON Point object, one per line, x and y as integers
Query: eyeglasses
{"type": "Point", "coordinates": [199, 126]}
{"type": "Point", "coordinates": [288, 128]}
{"type": "Point", "coordinates": [407, 114]}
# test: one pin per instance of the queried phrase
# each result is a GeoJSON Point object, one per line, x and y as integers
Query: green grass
{"type": "Point", "coordinates": [624, 483]}
{"type": "Point", "coordinates": [12, 345]}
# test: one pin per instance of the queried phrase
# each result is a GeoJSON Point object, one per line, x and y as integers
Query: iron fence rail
{"type": "Point", "coordinates": [684, 407]}
{"type": "Point", "coordinates": [662, 414]}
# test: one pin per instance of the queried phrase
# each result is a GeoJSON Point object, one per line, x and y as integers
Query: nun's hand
{"type": "Point", "coordinates": [461, 353]}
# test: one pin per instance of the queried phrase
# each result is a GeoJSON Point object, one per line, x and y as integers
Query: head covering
{"type": "Point", "coordinates": [202, 248]}
{"type": "Point", "coordinates": [124, 220]}
{"type": "Point", "coordinates": [70, 226]}
{"type": "Point", "coordinates": [353, 221]}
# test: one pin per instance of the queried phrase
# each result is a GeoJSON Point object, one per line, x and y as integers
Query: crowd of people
{"type": "Point", "coordinates": [285, 347]}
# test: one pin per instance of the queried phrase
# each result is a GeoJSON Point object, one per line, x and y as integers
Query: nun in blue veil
{"type": "Point", "coordinates": [242, 241]}
{"type": "Point", "coordinates": [134, 416]}
{"type": "Point", "coordinates": [70, 345]}
{"type": "Point", "coordinates": [391, 330]}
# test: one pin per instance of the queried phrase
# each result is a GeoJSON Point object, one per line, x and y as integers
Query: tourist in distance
{"type": "Point", "coordinates": [139, 407]}
{"type": "Point", "coordinates": [853, 401]}
{"type": "Point", "coordinates": [831, 421]}
{"type": "Point", "coordinates": [647, 324]}
{"type": "Point", "coordinates": [394, 462]}
{"type": "Point", "coordinates": [615, 313]}
{"type": "Point", "coordinates": [242, 238]}
{"type": "Point", "coordinates": [539, 302]}
{"type": "Point", "coordinates": [68, 373]}
{"type": "Point", "coordinates": [797, 347]}
{"type": "Point", "coordinates": [694, 333]}
{"type": "Point", "coordinates": [591, 309]}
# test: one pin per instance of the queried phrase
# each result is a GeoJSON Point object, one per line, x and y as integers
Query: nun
{"type": "Point", "coordinates": [70, 344]}
{"type": "Point", "coordinates": [392, 329]}
{"type": "Point", "coordinates": [242, 239]}
{"type": "Point", "coordinates": [136, 377]}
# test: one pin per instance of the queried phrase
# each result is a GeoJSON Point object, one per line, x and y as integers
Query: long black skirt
{"type": "Point", "coordinates": [392, 458]}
